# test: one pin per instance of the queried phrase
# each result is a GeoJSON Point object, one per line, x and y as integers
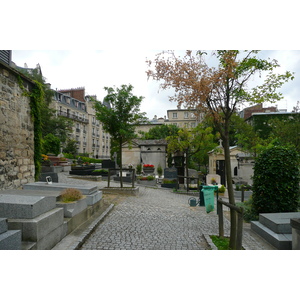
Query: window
{"type": "Point", "coordinates": [193, 124]}
{"type": "Point", "coordinates": [174, 115]}
{"type": "Point", "coordinates": [186, 114]}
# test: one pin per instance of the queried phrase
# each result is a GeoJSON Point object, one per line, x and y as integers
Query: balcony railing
{"type": "Point", "coordinates": [73, 117]}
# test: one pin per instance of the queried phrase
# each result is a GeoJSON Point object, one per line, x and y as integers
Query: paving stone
{"type": "Point", "coordinates": [159, 219]}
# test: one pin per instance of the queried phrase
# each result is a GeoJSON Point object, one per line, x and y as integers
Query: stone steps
{"type": "Point", "coordinates": [36, 216]}
{"type": "Point", "coordinates": [9, 239]}
{"type": "Point", "coordinates": [275, 228]}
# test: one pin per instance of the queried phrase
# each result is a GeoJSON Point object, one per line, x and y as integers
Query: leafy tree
{"type": "Point", "coordinates": [71, 147]}
{"type": "Point", "coordinates": [160, 132]}
{"type": "Point", "coordinates": [121, 118]}
{"type": "Point", "coordinates": [276, 180]}
{"type": "Point", "coordinates": [192, 142]}
{"type": "Point", "coordinates": [219, 91]}
{"type": "Point", "coordinates": [287, 131]}
{"type": "Point", "coordinates": [51, 144]}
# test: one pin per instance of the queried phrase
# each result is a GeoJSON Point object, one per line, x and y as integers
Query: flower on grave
{"type": "Point", "coordinates": [130, 166]}
{"type": "Point", "coordinates": [213, 181]}
{"type": "Point", "coordinates": [45, 157]}
{"type": "Point", "coordinates": [148, 166]}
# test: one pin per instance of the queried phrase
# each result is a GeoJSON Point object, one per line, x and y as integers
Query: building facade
{"type": "Point", "coordinates": [188, 118]}
{"type": "Point", "coordinates": [88, 132]}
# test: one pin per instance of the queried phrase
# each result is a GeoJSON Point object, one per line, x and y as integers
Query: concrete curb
{"type": "Point", "coordinates": [210, 242]}
{"type": "Point", "coordinates": [76, 239]}
{"type": "Point", "coordinates": [85, 235]}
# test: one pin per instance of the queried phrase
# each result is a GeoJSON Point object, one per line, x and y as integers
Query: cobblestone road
{"type": "Point", "coordinates": [158, 219]}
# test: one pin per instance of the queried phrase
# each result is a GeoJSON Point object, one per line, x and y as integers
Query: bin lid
{"type": "Point", "coordinates": [210, 187]}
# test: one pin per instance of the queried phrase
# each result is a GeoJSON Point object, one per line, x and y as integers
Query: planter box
{"type": "Point", "coordinates": [72, 208]}
{"type": "Point", "coordinates": [147, 182]}
{"type": "Point", "coordinates": [169, 185]}
{"type": "Point", "coordinates": [148, 170]}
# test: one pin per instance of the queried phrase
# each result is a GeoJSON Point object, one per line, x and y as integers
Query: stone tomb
{"type": "Point", "coordinates": [93, 195]}
{"type": "Point", "coordinates": [37, 217]}
{"type": "Point", "coordinates": [77, 212]}
{"type": "Point", "coordinates": [276, 228]}
{"type": "Point", "coordinates": [9, 239]}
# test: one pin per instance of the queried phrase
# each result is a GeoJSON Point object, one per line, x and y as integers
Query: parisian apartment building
{"type": "Point", "coordinates": [87, 130]}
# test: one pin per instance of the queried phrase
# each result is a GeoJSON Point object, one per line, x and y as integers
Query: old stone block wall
{"type": "Point", "coordinates": [16, 131]}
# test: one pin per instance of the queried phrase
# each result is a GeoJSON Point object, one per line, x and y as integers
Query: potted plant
{"type": "Point", "coordinates": [148, 168]}
{"type": "Point", "coordinates": [159, 171]}
{"type": "Point", "coordinates": [146, 180]}
{"type": "Point", "coordinates": [221, 190]}
{"type": "Point", "coordinates": [139, 169]}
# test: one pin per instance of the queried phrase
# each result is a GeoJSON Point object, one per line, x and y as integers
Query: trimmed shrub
{"type": "Point", "coordinates": [276, 181]}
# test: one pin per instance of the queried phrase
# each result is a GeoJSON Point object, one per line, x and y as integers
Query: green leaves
{"type": "Point", "coordinates": [276, 180]}
{"type": "Point", "coordinates": [120, 112]}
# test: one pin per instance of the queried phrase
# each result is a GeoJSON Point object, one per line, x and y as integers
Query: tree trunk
{"type": "Point", "coordinates": [187, 170]}
{"type": "Point", "coordinates": [233, 221]}
{"type": "Point", "coordinates": [121, 162]}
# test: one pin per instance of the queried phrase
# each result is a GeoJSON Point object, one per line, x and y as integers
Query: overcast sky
{"type": "Point", "coordinates": [96, 69]}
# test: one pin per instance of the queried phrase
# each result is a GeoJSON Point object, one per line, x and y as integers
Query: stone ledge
{"type": "Point", "coordinates": [118, 190]}
{"type": "Point", "coordinates": [295, 223]}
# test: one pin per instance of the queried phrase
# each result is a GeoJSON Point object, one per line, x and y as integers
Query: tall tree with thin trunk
{"type": "Point", "coordinates": [218, 90]}
{"type": "Point", "coordinates": [120, 114]}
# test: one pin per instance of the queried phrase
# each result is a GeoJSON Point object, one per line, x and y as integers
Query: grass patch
{"type": "Point", "coordinates": [222, 243]}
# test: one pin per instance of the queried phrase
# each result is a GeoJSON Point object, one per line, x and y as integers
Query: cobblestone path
{"type": "Point", "coordinates": [156, 219]}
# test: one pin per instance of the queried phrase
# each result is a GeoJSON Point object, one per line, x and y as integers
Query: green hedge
{"type": "Point", "coordinates": [276, 181]}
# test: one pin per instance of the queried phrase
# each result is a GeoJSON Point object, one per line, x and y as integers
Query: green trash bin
{"type": "Point", "coordinates": [209, 197]}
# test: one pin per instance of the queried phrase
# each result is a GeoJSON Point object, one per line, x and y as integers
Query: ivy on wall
{"type": "Point", "coordinates": [36, 97]}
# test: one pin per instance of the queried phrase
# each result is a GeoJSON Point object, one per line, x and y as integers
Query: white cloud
{"type": "Point", "coordinates": [96, 69]}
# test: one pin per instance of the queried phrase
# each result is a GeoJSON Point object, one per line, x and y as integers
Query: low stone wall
{"type": "Point", "coordinates": [118, 190]}
{"type": "Point", "coordinates": [295, 224]}
{"type": "Point", "coordinates": [16, 131]}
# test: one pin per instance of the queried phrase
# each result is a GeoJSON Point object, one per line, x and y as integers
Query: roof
{"type": "Point", "coordinates": [139, 143]}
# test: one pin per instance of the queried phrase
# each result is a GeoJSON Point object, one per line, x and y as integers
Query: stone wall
{"type": "Point", "coordinates": [16, 131]}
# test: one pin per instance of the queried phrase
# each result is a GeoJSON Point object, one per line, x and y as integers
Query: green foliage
{"type": "Point", "coordinates": [276, 180]}
{"type": "Point", "coordinates": [222, 243]}
{"type": "Point", "coordinates": [71, 148]}
{"type": "Point", "coordinates": [51, 144]}
{"type": "Point", "coordinates": [222, 189]}
{"type": "Point", "coordinates": [249, 213]}
{"type": "Point", "coordinates": [139, 168]}
{"type": "Point", "coordinates": [169, 181]}
{"type": "Point", "coordinates": [120, 114]}
{"type": "Point", "coordinates": [195, 143]}
{"type": "Point", "coordinates": [36, 100]}
{"type": "Point", "coordinates": [160, 132]}
{"type": "Point", "coordinates": [159, 170]}
{"type": "Point", "coordinates": [286, 130]}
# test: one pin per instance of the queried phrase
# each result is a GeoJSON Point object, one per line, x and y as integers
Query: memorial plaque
{"type": "Point", "coordinates": [170, 173]}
